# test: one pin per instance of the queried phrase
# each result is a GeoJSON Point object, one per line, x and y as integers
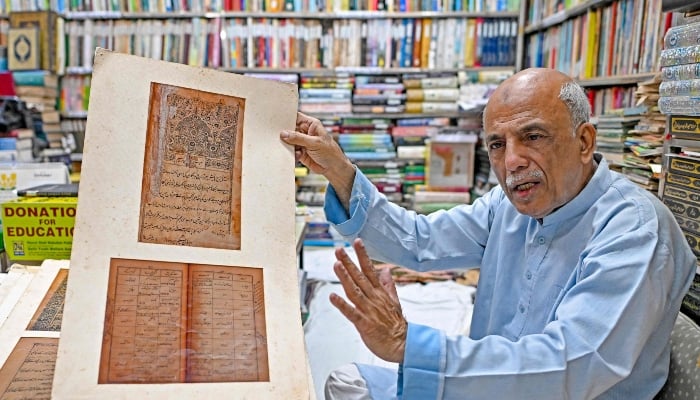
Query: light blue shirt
{"type": "Point", "coordinates": [579, 305]}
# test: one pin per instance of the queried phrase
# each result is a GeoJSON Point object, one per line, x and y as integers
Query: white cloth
{"type": "Point", "coordinates": [346, 383]}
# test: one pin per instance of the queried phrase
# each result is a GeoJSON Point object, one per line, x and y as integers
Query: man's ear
{"type": "Point", "coordinates": [586, 135]}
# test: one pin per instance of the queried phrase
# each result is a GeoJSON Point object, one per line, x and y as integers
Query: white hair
{"type": "Point", "coordinates": [572, 94]}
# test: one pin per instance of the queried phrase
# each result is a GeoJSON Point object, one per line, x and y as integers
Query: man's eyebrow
{"type": "Point", "coordinates": [492, 136]}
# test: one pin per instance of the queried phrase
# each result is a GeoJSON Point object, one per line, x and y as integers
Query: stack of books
{"type": "Point", "coordinates": [366, 139]}
{"type": "Point", "coordinates": [430, 93]}
{"type": "Point", "coordinates": [325, 93]}
{"type": "Point", "coordinates": [378, 94]}
{"type": "Point", "coordinates": [613, 128]}
{"type": "Point", "coordinates": [37, 88]}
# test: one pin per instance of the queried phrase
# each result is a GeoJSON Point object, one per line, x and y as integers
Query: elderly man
{"type": "Point", "coordinates": [582, 271]}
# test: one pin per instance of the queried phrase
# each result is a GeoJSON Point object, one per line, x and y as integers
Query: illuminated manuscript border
{"type": "Point", "coordinates": [191, 192]}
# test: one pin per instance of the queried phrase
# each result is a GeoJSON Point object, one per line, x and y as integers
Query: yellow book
{"type": "Point", "coordinates": [425, 42]}
{"type": "Point", "coordinates": [470, 43]}
{"type": "Point", "coordinates": [589, 62]}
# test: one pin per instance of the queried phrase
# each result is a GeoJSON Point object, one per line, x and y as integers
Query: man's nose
{"type": "Point", "coordinates": [515, 156]}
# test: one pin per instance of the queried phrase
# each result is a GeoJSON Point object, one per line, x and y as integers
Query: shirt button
{"type": "Point", "coordinates": [540, 240]}
{"type": "Point", "coordinates": [521, 308]}
{"type": "Point", "coordinates": [528, 275]}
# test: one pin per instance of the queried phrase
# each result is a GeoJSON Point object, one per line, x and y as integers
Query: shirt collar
{"type": "Point", "coordinates": [593, 190]}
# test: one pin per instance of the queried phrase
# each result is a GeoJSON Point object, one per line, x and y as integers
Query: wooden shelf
{"type": "Point", "coordinates": [82, 15]}
{"type": "Point", "coordinates": [618, 80]}
{"type": "Point", "coordinates": [561, 16]}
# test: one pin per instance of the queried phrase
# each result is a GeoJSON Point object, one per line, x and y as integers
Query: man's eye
{"type": "Point", "coordinates": [495, 146]}
{"type": "Point", "coordinates": [533, 136]}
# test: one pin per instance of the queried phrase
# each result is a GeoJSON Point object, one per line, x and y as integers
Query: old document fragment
{"type": "Point", "coordinates": [227, 341]}
{"type": "Point", "coordinates": [28, 371]}
{"type": "Point", "coordinates": [192, 171]}
{"type": "Point", "coordinates": [50, 313]}
{"type": "Point", "coordinates": [145, 323]}
{"type": "Point", "coordinates": [173, 322]}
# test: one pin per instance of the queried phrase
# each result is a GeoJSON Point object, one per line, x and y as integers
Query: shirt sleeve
{"type": "Point", "coordinates": [403, 237]}
{"type": "Point", "coordinates": [585, 350]}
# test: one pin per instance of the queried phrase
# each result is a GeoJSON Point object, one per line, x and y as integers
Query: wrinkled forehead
{"type": "Point", "coordinates": [522, 94]}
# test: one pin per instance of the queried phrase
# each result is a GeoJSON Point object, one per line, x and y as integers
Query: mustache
{"type": "Point", "coordinates": [516, 179]}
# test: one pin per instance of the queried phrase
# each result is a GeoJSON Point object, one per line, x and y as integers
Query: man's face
{"type": "Point", "coordinates": [536, 156]}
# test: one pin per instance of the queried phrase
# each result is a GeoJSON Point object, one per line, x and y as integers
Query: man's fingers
{"type": "Point", "coordinates": [346, 309]}
{"type": "Point", "coordinates": [388, 284]}
{"type": "Point", "coordinates": [358, 277]}
{"type": "Point", "coordinates": [355, 294]}
{"type": "Point", "coordinates": [365, 262]}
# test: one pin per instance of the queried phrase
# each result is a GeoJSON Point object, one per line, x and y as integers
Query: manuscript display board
{"type": "Point", "coordinates": [183, 268]}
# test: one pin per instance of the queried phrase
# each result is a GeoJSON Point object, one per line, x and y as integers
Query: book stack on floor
{"type": "Point", "coordinates": [613, 128]}
{"type": "Point", "coordinates": [378, 94]}
{"type": "Point", "coordinates": [325, 93]}
{"type": "Point", "coordinates": [642, 163]}
{"type": "Point", "coordinates": [431, 93]}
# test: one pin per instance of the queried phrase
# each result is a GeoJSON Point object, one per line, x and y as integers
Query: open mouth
{"type": "Point", "coordinates": [524, 186]}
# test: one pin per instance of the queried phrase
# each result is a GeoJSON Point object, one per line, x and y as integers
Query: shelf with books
{"type": "Point", "coordinates": [484, 7]}
{"type": "Point", "coordinates": [600, 39]}
{"type": "Point", "coordinates": [543, 14]}
{"type": "Point", "coordinates": [281, 43]}
{"type": "Point", "coordinates": [359, 14]}
{"type": "Point", "coordinates": [619, 80]}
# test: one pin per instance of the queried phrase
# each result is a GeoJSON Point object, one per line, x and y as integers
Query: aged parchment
{"type": "Point", "coordinates": [175, 322]}
{"type": "Point", "coordinates": [192, 172]}
{"type": "Point", "coordinates": [28, 371]}
{"type": "Point", "coordinates": [50, 313]}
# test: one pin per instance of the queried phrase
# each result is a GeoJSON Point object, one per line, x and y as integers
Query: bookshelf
{"type": "Point", "coordinates": [681, 165]}
{"type": "Point", "coordinates": [401, 38]}
{"type": "Point", "coordinates": [608, 45]}
{"type": "Point", "coordinates": [402, 41]}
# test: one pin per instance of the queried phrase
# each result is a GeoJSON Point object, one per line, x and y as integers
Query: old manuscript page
{"type": "Point", "coordinates": [29, 336]}
{"type": "Point", "coordinates": [173, 322]}
{"type": "Point", "coordinates": [192, 173]}
{"type": "Point", "coordinates": [49, 315]}
{"type": "Point", "coordinates": [28, 372]}
{"type": "Point", "coordinates": [183, 278]}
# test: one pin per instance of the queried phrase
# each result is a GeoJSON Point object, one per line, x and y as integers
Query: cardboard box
{"type": "Point", "coordinates": [39, 228]}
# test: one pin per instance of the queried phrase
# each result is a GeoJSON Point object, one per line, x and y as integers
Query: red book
{"type": "Point", "coordinates": [7, 84]}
